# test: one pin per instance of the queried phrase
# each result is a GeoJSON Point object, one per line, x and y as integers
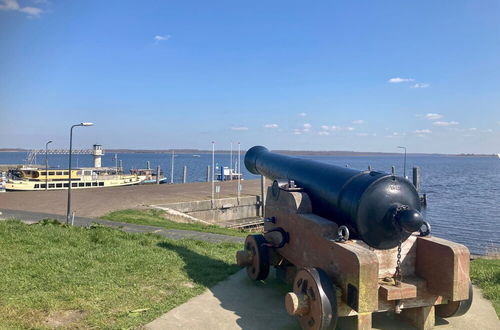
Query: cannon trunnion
{"type": "Point", "coordinates": [334, 277]}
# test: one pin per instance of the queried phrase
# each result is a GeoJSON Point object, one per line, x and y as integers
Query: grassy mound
{"type": "Point", "coordinates": [98, 277]}
{"type": "Point", "coordinates": [486, 275]}
{"type": "Point", "coordinates": [155, 218]}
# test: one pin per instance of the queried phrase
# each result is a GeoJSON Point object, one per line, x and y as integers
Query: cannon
{"type": "Point", "coordinates": [352, 243]}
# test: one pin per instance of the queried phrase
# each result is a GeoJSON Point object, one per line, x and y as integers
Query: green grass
{"type": "Point", "coordinates": [101, 273]}
{"type": "Point", "coordinates": [486, 275]}
{"type": "Point", "coordinates": [156, 218]}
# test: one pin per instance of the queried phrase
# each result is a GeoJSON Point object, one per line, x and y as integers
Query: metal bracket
{"type": "Point", "coordinates": [284, 240]}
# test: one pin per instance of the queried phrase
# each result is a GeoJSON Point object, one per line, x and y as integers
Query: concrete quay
{"type": "Point", "coordinates": [96, 202]}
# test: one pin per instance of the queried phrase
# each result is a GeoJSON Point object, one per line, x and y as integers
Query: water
{"type": "Point", "coordinates": [463, 192]}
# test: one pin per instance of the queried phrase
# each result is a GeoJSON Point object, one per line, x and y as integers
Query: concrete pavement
{"type": "Point", "coordinates": [238, 303]}
{"type": "Point", "coordinates": [97, 202]}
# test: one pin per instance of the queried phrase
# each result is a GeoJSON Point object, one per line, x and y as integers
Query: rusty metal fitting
{"type": "Point", "coordinates": [296, 304]}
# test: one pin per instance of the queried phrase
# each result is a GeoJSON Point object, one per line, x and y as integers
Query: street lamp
{"type": "Point", "coordinates": [46, 164]}
{"type": "Point", "coordinates": [69, 167]}
{"type": "Point", "coordinates": [404, 166]}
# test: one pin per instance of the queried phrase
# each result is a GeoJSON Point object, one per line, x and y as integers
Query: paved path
{"type": "Point", "coordinates": [96, 202]}
{"type": "Point", "coordinates": [33, 217]}
{"type": "Point", "coordinates": [238, 303]}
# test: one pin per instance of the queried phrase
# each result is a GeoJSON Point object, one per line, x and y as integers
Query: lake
{"type": "Point", "coordinates": [463, 193]}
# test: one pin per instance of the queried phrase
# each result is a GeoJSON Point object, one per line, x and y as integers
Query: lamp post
{"type": "Point", "coordinates": [46, 164]}
{"type": "Point", "coordinates": [69, 166]}
{"type": "Point", "coordinates": [404, 166]}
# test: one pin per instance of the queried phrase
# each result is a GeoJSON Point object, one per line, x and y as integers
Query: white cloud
{"type": "Point", "coordinates": [358, 122]}
{"type": "Point", "coordinates": [423, 131]}
{"type": "Point", "coordinates": [350, 129]}
{"type": "Point", "coordinates": [271, 126]}
{"type": "Point", "coordinates": [362, 134]}
{"type": "Point", "coordinates": [445, 123]}
{"type": "Point", "coordinates": [297, 131]}
{"type": "Point", "coordinates": [400, 80]}
{"type": "Point", "coordinates": [239, 128]}
{"type": "Point", "coordinates": [472, 129]}
{"type": "Point", "coordinates": [324, 133]}
{"type": "Point", "coordinates": [325, 127]}
{"type": "Point", "coordinates": [307, 126]}
{"type": "Point", "coordinates": [302, 114]}
{"type": "Point", "coordinates": [489, 130]}
{"type": "Point", "coordinates": [421, 85]}
{"type": "Point", "coordinates": [159, 38]}
{"type": "Point", "coordinates": [13, 5]}
{"type": "Point", "coordinates": [433, 116]}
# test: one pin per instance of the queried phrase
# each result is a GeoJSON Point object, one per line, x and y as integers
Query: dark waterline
{"type": "Point", "coordinates": [463, 192]}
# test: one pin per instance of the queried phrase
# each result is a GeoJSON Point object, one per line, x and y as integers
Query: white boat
{"type": "Point", "coordinates": [26, 178]}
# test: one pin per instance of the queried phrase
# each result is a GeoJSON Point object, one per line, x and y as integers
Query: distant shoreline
{"type": "Point", "coordinates": [286, 152]}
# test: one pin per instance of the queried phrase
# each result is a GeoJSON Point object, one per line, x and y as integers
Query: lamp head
{"type": "Point", "coordinates": [87, 124]}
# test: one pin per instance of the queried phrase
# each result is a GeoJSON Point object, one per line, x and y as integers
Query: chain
{"type": "Point", "coordinates": [398, 276]}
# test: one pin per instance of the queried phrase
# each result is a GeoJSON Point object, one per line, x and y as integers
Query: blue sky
{"type": "Point", "coordinates": [322, 75]}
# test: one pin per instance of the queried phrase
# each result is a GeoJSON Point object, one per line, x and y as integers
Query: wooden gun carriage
{"type": "Point", "coordinates": [333, 275]}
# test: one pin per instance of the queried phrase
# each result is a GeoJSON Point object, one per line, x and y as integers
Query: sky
{"type": "Point", "coordinates": [299, 75]}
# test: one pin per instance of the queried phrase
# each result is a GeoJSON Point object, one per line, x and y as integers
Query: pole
{"type": "Point", "coordinates": [404, 164]}
{"type": "Point", "coordinates": [116, 162]}
{"type": "Point", "coordinates": [208, 173]}
{"type": "Point", "coordinates": [393, 170]}
{"type": "Point", "coordinates": [121, 165]}
{"type": "Point", "coordinates": [68, 211]}
{"type": "Point", "coordinates": [262, 195]}
{"type": "Point", "coordinates": [158, 174]}
{"type": "Point", "coordinates": [213, 172]}
{"type": "Point", "coordinates": [184, 174]}
{"type": "Point", "coordinates": [416, 177]}
{"type": "Point", "coordinates": [239, 171]}
{"type": "Point", "coordinates": [231, 162]}
{"type": "Point", "coordinates": [172, 168]}
{"type": "Point", "coordinates": [47, 165]}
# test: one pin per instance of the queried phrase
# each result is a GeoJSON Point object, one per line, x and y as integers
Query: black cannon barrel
{"type": "Point", "coordinates": [379, 208]}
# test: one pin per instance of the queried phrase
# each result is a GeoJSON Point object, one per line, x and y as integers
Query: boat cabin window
{"type": "Point", "coordinates": [43, 173]}
{"type": "Point", "coordinates": [81, 184]}
{"type": "Point", "coordinates": [88, 184]}
{"type": "Point", "coordinates": [59, 185]}
{"type": "Point", "coordinates": [101, 184]}
{"type": "Point", "coordinates": [59, 173]}
{"type": "Point", "coordinates": [94, 184]}
{"type": "Point", "coordinates": [74, 184]}
{"type": "Point", "coordinates": [51, 173]}
{"type": "Point", "coordinates": [43, 185]}
{"type": "Point", "coordinates": [66, 185]}
{"type": "Point", "coordinates": [37, 186]}
{"type": "Point", "coordinates": [51, 185]}
{"type": "Point", "coordinates": [87, 172]}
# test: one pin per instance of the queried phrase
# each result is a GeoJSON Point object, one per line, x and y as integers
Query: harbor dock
{"type": "Point", "coordinates": [94, 203]}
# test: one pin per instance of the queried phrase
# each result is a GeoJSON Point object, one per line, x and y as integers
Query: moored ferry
{"type": "Point", "coordinates": [27, 179]}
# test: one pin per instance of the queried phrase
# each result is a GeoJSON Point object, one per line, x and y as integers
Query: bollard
{"type": "Point", "coordinates": [262, 195]}
{"type": "Point", "coordinates": [184, 174]}
{"type": "Point", "coordinates": [416, 177]}
{"type": "Point", "coordinates": [148, 163]}
{"type": "Point", "coordinates": [158, 174]}
{"type": "Point", "coordinates": [393, 170]}
{"type": "Point", "coordinates": [208, 173]}
{"type": "Point", "coordinates": [369, 168]}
